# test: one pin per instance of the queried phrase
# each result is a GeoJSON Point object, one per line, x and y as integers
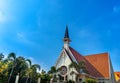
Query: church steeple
{"type": "Point", "coordinates": [66, 38]}
{"type": "Point", "coordinates": [66, 32]}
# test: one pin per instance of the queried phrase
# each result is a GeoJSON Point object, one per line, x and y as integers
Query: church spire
{"type": "Point", "coordinates": [66, 38]}
{"type": "Point", "coordinates": [66, 32]}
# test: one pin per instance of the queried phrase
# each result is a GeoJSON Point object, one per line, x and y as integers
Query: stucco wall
{"type": "Point", "coordinates": [64, 60]}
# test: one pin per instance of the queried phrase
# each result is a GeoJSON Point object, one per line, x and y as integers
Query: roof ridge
{"type": "Point", "coordinates": [68, 54]}
{"type": "Point", "coordinates": [75, 50]}
{"type": "Point", "coordinates": [117, 72]}
{"type": "Point", "coordinates": [96, 54]}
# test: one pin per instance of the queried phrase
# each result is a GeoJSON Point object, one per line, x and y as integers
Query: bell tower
{"type": "Point", "coordinates": [66, 38]}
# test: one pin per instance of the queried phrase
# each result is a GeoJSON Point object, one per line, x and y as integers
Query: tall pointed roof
{"type": "Point", "coordinates": [66, 32]}
{"type": "Point", "coordinates": [66, 36]}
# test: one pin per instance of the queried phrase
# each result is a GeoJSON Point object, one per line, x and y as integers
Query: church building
{"type": "Point", "coordinates": [98, 66]}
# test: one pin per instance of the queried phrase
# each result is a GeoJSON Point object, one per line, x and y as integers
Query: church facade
{"type": "Point", "coordinates": [98, 66]}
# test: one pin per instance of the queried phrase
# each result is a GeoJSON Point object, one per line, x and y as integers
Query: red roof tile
{"type": "Point", "coordinates": [117, 76]}
{"type": "Point", "coordinates": [100, 63]}
{"type": "Point", "coordinates": [97, 64]}
{"type": "Point", "coordinates": [77, 56]}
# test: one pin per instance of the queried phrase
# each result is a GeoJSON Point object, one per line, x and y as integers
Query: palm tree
{"type": "Point", "coordinates": [32, 70]}
{"type": "Point", "coordinates": [1, 56]}
{"type": "Point", "coordinates": [3, 68]}
{"type": "Point", "coordinates": [45, 77]}
{"type": "Point", "coordinates": [12, 57]}
{"type": "Point", "coordinates": [52, 70]}
{"type": "Point", "coordinates": [80, 68]}
{"type": "Point", "coordinates": [28, 70]}
{"type": "Point", "coordinates": [71, 66]}
{"type": "Point", "coordinates": [39, 77]}
{"type": "Point", "coordinates": [33, 73]}
{"type": "Point", "coordinates": [14, 65]}
{"type": "Point", "coordinates": [43, 73]}
{"type": "Point", "coordinates": [36, 66]}
{"type": "Point", "coordinates": [20, 67]}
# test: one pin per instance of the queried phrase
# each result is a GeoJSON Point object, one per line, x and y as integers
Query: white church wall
{"type": "Point", "coordinates": [104, 81]}
{"type": "Point", "coordinates": [73, 58]}
{"type": "Point", "coordinates": [73, 77]}
{"type": "Point", "coordinates": [64, 60]}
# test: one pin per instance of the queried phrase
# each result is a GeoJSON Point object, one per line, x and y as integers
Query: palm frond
{"type": "Point", "coordinates": [12, 56]}
{"type": "Point", "coordinates": [36, 66]}
{"type": "Point", "coordinates": [29, 62]}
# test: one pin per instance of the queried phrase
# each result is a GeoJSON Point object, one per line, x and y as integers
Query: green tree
{"type": "Point", "coordinates": [31, 71]}
{"type": "Point", "coordinates": [21, 67]}
{"type": "Point", "coordinates": [28, 70]}
{"type": "Point", "coordinates": [71, 66]}
{"type": "Point", "coordinates": [90, 80]}
{"type": "Point", "coordinates": [12, 58]}
{"type": "Point", "coordinates": [80, 68]}
{"type": "Point", "coordinates": [52, 73]}
{"type": "Point", "coordinates": [1, 56]}
{"type": "Point", "coordinates": [13, 65]}
{"type": "Point", "coordinates": [52, 70]}
{"type": "Point", "coordinates": [45, 77]}
{"type": "Point", "coordinates": [3, 69]}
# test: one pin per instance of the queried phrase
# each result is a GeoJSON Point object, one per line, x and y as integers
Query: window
{"type": "Point", "coordinates": [80, 80]}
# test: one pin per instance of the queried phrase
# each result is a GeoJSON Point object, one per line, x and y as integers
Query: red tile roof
{"type": "Point", "coordinates": [77, 56]}
{"type": "Point", "coordinates": [96, 64]}
{"type": "Point", "coordinates": [117, 76]}
{"type": "Point", "coordinates": [100, 62]}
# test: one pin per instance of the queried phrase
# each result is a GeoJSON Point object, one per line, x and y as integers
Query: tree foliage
{"type": "Point", "coordinates": [90, 80]}
{"type": "Point", "coordinates": [13, 65]}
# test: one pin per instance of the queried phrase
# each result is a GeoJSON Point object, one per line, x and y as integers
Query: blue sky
{"type": "Point", "coordinates": [35, 28]}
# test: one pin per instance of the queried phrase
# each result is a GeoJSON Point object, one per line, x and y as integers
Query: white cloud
{"type": "Point", "coordinates": [21, 37]}
{"type": "Point", "coordinates": [2, 17]}
{"type": "Point", "coordinates": [32, 59]}
{"type": "Point", "coordinates": [4, 52]}
{"type": "Point", "coordinates": [6, 13]}
{"type": "Point", "coordinates": [3, 4]}
{"type": "Point", "coordinates": [3, 8]}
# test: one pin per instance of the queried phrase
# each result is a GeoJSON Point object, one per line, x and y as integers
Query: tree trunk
{"type": "Point", "coordinates": [27, 79]}
{"type": "Point", "coordinates": [17, 79]}
{"type": "Point", "coordinates": [10, 75]}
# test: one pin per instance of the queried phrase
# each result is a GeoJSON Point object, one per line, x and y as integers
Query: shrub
{"type": "Point", "coordinates": [90, 80]}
